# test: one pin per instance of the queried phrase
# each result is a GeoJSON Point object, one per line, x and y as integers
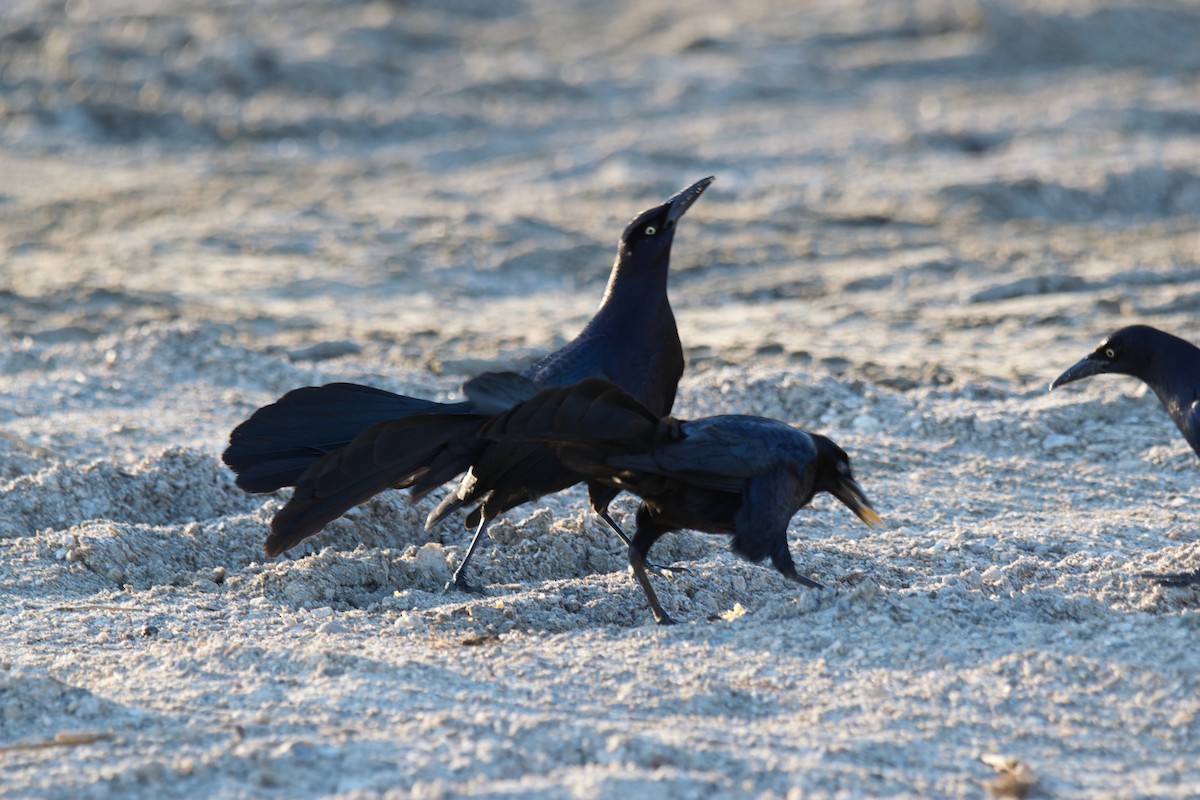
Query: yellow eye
{"type": "Point", "coordinates": [1110, 353]}
{"type": "Point", "coordinates": [651, 230]}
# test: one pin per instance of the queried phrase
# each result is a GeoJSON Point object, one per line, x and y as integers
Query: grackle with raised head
{"type": "Point", "coordinates": [739, 475]}
{"type": "Point", "coordinates": [1168, 365]}
{"type": "Point", "coordinates": [341, 444]}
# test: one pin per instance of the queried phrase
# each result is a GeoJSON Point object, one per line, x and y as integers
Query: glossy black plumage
{"type": "Point", "coordinates": [1168, 365]}
{"type": "Point", "coordinates": [272, 448]}
{"type": "Point", "coordinates": [364, 448]}
{"type": "Point", "coordinates": [394, 454]}
{"type": "Point", "coordinates": [738, 475]}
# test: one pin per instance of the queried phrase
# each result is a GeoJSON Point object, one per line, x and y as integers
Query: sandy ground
{"type": "Point", "coordinates": [923, 212]}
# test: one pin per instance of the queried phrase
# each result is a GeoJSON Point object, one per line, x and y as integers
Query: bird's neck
{"type": "Point", "coordinates": [1172, 370]}
{"type": "Point", "coordinates": [634, 293]}
{"type": "Point", "coordinates": [635, 317]}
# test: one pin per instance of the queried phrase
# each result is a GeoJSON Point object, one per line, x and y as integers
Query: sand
{"type": "Point", "coordinates": [923, 212]}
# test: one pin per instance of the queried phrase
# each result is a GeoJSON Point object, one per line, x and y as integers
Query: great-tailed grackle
{"type": "Point", "coordinates": [341, 444]}
{"type": "Point", "coordinates": [739, 475]}
{"type": "Point", "coordinates": [1168, 365]}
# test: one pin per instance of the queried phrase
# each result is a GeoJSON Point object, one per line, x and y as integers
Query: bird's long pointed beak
{"type": "Point", "coordinates": [1083, 368]}
{"type": "Point", "coordinates": [680, 202]}
{"type": "Point", "coordinates": [852, 495]}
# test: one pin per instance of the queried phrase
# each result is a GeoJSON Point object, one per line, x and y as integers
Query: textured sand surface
{"type": "Point", "coordinates": [923, 212]}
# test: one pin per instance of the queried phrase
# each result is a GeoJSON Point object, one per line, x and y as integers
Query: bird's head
{"type": "Point", "coordinates": [648, 237]}
{"type": "Point", "coordinates": [835, 476]}
{"type": "Point", "coordinates": [1126, 352]}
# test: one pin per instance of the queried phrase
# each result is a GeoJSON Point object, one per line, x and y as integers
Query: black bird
{"type": "Point", "coordinates": [1168, 365]}
{"type": "Point", "coordinates": [739, 475]}
{"type": "Point", "coordinates": [341, 444]}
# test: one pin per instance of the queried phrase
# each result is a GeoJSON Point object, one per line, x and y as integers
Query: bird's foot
{"type": "Point", "coordinates": [459, 583]}
{"type": "Point", "coordinates": [1174, 578]}
{"type": "Point", "coordinates": [664, 619]}
{"type": "Point", "coordinates": [664, 572]}
{"type": "Point", "coordinates": [804, 580]}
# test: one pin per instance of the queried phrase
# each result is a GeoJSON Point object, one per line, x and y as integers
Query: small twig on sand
{"type": "Point", "coordinates": [62, 739]}
{"type": "Point", "coordinates": [98, 607]}
{"type": "Point", "coordinates": [36, 450]}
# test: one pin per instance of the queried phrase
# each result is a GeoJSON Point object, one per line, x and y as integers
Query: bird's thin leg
{"type": "Point", "coordinates": [612, 523]}
{"type": "Point", "coordinates": [637, 564]}
{"type": "Point", "coordinates": [648, 532]}
{"type": "Point", "coordinates": [787, 567]}
{"type": "Point", "coordinates": [1174, 578]}
{"type": "Point", "coordinates": [660, 571]}
{"type": "Point", "coordinates": [459, 581]}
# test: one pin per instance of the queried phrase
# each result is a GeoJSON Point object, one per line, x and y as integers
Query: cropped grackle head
{"type": "Point", "coordinates": [834, 476]}
{"type": "Point", "coordinates": [650, 234]}
{"type": "Point", "coordinates": [1168, 365]}
{"type": "Point", "coordinates": [1129, 351]}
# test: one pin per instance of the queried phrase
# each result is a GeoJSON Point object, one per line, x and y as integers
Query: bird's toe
{"type": "Point", "coordinates": [1174, 578]}
{"type": "Point", "coordinates": [460, 584]}
{"type": "Point", "coordinates": [664, 572]}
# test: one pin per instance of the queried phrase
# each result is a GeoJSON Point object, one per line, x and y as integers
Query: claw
{"type": "Point", "coordinates": [460, 584]}
{"type": "Point", "coordinates": [1174, 578]}
{"type": "Point", "coordinates": [664, 572]}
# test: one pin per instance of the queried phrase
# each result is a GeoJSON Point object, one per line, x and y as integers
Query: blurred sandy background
{"type": "Point", "coordinates": [923, 212]}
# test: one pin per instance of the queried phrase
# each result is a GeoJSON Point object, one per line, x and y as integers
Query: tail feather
{"type": "Point", "coordinates": [387, 455]}
{"type": "Point", "coordinates": [454, 459]}
{"type": "Point", "coordinates": [449, 504]}
{"type": "Point", "coordinates": [274, 447]}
